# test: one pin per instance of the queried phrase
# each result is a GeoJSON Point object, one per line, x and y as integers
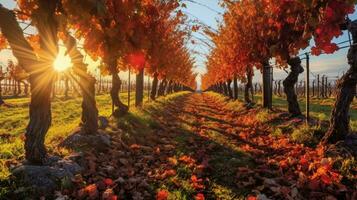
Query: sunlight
{"type": "Point", "coordinates": [62, 62]}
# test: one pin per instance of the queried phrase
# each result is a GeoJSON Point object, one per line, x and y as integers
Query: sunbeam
{"type": "Point", "coordinates": [62, 62]}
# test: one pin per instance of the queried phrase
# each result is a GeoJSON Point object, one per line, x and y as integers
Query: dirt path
{"type": "Point", "coordinates": [240, 156]}
{"type": "Point", "coordinates": [195, 146]}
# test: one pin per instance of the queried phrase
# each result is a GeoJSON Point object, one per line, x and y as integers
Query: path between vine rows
{"type": "Point", "coordinates": [202, 149]}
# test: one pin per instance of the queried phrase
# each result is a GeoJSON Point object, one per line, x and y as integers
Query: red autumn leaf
{"type": "Point", "coordinates": [108, 182]}
{"type": "Point", "coordinates": [92, 191]}
{"type": "Point", "coordinates": [170, 172]}
{"type": "Point", "coordinates": [162, 195]}
{"type": "Point", "coordinates": [199, 196]}
{"type": "Point", "coordinates": [197, 183]}
{"type": "Point", "coordinates": [136, 59]}
{"type": "Point", "coordinates": [304, 163]}
{"type": "Point", "coordinates": [283, 164]}
{"type": "Point", "coordinates": [187, 160]}
{"type": "Point", "coordinates": [251, 197]}
{"type": "Point", "coordinates": [325, 179]}
{"type": "Point", "coordinates": [194, 178]}
{"type": "Point", "coordinates": [135, 146]}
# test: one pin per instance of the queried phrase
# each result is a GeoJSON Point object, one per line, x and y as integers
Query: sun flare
{"type": "Point", "coordinates": [62, 62]}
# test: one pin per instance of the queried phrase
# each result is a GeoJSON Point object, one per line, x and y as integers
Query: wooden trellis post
{"type": "Point", "coordinates": [323, 86]}
{"type": "Point", "coordinates": [326, 86]}
{"type": "Point", "coordinates": [318, 86]}
{"type": "Point", "coordinates": [149, 88]}
{"type": "Point", "coordinates": [267, 86]}
{"type": "Point", "coordinates": [129, 84]}
{"type": "Point", "coordinates": [307, 90]}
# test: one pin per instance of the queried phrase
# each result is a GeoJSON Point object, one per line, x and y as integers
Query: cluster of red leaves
{"type": "Point", "coordinates": [197, 183]}
{"type": "Point", "coordinates": [289, 170]}
{"type": "Point", "coordinates": [136, 60]}
{"type": "Point", "coordinates": [187, 160]}
{"type": "Point", "coordinates": [282, 27]}
{"type": "Point", "coordinates": [162, 195]}
{"type": "Point", "coordinates": [332, 16]}
{"type": "Point", "coordinates": [127, 169]}
{"type": "Point", "coordinates": [101, 190]}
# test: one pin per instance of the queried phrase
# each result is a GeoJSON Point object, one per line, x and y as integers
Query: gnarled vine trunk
{"type": "Point", "coordinates": [289, 83]}
{"type": "Point", "coordinates": [121, 109]}
{"type": "Point", "coordinates": [162, 87]}
{"type": "Point", "coordinates": [155, 81]}
{"type": "Point", "coordinates": [220, 88]}
{"type": "Point", "coordinates": [235, 87]}
{"type": "Point", "coordinates": [169, 87]}
{"type": "Point", "coordinates": [229, 88]}
{"type": "Point", "coordinates": [42, 83]}
{"type": "Point", "coordinates": [346, 91]}
{"type": "Point", "coordinates": [40, 73]}
{"type": "Point", "coordinates": [19, 91]}
{"type": "Point", "coordinates": [248, 86]}
{"type": "Point", "coordinates": [225, 89]}
{"type": "Point", "coordinates": [340, 120]}
{"type": "Point", "coordinates": [89, 119]}
{"type": "Point", "coordinates": [154, 87]}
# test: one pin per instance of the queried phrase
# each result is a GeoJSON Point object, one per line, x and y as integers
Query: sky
{"type": "Point", "coordinates": [209, 12]}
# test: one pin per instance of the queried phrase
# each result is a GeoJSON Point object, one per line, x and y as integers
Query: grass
{"type": "Point", "coordinates": [65, 118]}
{"type": "Point", "coordinates": [319, 108]}
{"type": "Point", "coordinates": [306, 135]}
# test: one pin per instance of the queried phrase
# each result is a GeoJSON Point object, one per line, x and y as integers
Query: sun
{"type": "Point", "coordinates": [62, 62]}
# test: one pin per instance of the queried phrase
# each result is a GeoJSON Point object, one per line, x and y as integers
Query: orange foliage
{"type": "Point", "coordinates": [256, 31]}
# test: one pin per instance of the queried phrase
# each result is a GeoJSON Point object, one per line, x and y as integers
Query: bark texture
{"type": "Point", "coordinates": [170, 87]}
{"type": "Point", "coordinates": [89, 119]}
{"type": "Point", "coordinates": [121, 109]}
{"type": "Point", "coordinates": [225, 88]}
{"type": "Point", "coordinates": [40, 71]}
{"type": "Point", "coordinates": [162, 87]}
{"type": "Point", "coordinates": [289, 84]}
{"type": "Point", "coordinates": [40, 106]}
{"type": "Point", "coordinates": [235, 88]}
{"type": "Point", "coordinates": [154, 87]}
{"type": "Point", "coordinates": [229, 88]}
{"type": "Point", "coordinates": [346, 91]}
{"type": "Point", "coordinates": [340, 119]}
{"type": "Point", "coordinates": [248, 86]}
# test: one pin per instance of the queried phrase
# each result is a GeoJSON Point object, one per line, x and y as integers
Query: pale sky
{"type": "Point", "coordinates": [208, 12]}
